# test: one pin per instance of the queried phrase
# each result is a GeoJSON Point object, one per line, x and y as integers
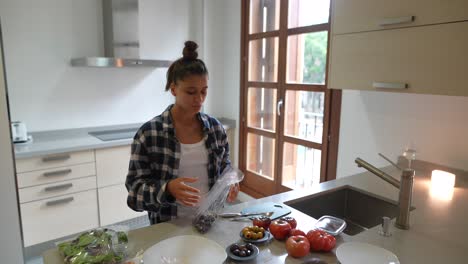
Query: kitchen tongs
{"type": "Point", "coordinates": [237, 215]}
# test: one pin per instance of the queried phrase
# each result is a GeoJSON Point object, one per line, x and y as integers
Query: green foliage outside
{"type": "Point", "coordinates": [315, 57]}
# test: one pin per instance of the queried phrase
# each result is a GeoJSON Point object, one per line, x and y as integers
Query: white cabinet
{"type": "Point", "coordinates": [63, 194]}
{"type": "Point", "coordinates": [54, 161]}
{"type": "Point", "coordinates": [429, 60]}
{"type": "Point", "coordinates": [427, 55]}
{"type": "Point", "coordinates": [57, 195]}
{"type": "Point", "coordinates": [38, 177]}
{"type": "Point", "coordinates": [111, 171]}
{"type": "Point", "coordinates": [113, 205]}
{"type": "Point", "coordinates": [349, 16]}
{"type": "Point", "coordinates": [112, 165]}
{"type": "Point", "coordinates": [60, 216]}
{"type": "Point", "coordinates": [56, 189]}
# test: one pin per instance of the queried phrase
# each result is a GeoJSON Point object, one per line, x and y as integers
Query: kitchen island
{"type": "Point", "coordinates": [437, 234]}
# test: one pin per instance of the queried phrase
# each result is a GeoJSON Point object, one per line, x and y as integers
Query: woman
{"type": "Point", "coordinates": [177, 156]}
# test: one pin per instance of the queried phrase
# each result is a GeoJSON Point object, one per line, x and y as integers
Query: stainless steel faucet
{"type": "Point", "coordinates": [405, 185]}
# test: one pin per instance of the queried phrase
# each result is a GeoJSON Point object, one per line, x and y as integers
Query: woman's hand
{"type": "Point", "coordinates": [183, 193]}
{"type": "Point", "coordinates": [233, 193]}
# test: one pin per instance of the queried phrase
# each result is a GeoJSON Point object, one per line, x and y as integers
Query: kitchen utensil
{"type": "Point", "coordinates": [236, 215]}
{"type": "Point", "coordinates": [188, 249]}
{"type": "Point", "coordinates": [330, 224]}
{"type": "Point", "coordinates": [19, 132]}
{"type": "Point", "coordinates": [385, 226]}
{"type": "Point", "coordinates": [279, 210]}
{"type": "Point", "coordinates": [363, 253]}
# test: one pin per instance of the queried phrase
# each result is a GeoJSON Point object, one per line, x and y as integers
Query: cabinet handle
{"type": "Point", "coordinates": [56, 173]}
{"type": "Point", "coordinates": [278, 107]}
{"type": "Point", "coordinates": [388, 85]}
{"type": "Point", "coordinates": [56, 158]}
{"type": "Point", "coordinates": [58, 187]}
{"type": "Point", "coordinates": [59, 201]}
{"type": "Point", "coordinates": [396, 20]}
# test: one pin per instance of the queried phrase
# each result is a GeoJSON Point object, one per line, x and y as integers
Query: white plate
{"type": "Point", "coordinates": [185, 249]}
{"type": "Point", "coordinates": [363, 253]}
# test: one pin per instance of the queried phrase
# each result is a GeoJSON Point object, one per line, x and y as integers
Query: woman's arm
{"type": "Point", "coordinates": [146, 190]}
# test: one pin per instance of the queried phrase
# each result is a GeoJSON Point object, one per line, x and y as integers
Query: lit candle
{"type": "Point", "coordinates": [442, 184]}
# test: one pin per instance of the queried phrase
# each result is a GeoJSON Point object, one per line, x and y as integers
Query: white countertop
{"type": "Point", "coordinates": [438, 230]}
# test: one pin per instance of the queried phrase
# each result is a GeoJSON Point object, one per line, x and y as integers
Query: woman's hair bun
{"type": "Point", "coordinates": [190, 50]}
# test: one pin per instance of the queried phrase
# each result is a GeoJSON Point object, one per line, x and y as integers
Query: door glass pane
{"type": "Point", "coordinates": [308, 12]}
{"type": "Point", "coordinates": [260, 155]}
{"type": "Point", "coordinates": [304, 115]}
{"type": "Point", "coordinates": [264, 15]}
{"type": "Point", "coordinates": [307, 58]}
{"type": "Point", "coordinates": [263, 60]}
{"type": "Point", "coordinates": [301, 166]}
{"type": "Point", "coordinates": [261, 108]}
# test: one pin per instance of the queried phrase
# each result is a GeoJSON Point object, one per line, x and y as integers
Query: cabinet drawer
{"type": "Point", "coordinates": [364, 15]}
{"type": "Point", "coordinates": [112, 165]}
{"type": "Point", "coordinates": [429, 59]}
{"type": "Point", "coordinates": [58, 217]}
{"type": "Point", "coordinates": [56, 189]}
{"type": "Point", "coordinates": [33, 178]}
{"type": "Point", "coordinates": [53, 161]}
{"type": "Point", "coordinates": [113, 205]}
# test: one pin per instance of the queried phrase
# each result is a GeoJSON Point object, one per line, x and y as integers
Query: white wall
{"type": "Point", "coordinates": [373, 122]}
{"type": "Point", "coordinates": [11, 250]}
{"type": "Point", "coordinates": [222, 26]}
{"type": "Point", "coordinates": [47, 93]}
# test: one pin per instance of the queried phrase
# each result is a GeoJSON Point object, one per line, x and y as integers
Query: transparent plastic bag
{"type": "Point", "coordinates": [99, 245]}
{"type": "Point", "coordinates": [214, 201]}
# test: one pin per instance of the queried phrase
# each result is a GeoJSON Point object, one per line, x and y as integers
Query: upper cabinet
{"type": "Point", "coordinates": [410, 46]}
{"type": "Point", "coordinates": [351, 16]}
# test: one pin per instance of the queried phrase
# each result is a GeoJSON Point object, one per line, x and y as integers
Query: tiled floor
{"type": "Point", "coordinates": [33, 254]}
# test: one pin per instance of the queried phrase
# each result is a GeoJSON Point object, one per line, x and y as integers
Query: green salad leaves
{"type": "Point", "coordinates": [94, 246]}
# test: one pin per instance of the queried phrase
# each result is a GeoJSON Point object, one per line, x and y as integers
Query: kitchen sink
{"type": "Point", "coordinates": [116, 134]}
{"type": "Point", "coordinates": [360, 210]}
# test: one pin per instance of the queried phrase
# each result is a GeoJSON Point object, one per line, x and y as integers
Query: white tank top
{"type": "Point", "coordinates": [194, 164]}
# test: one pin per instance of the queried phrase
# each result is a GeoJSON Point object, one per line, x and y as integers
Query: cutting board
{"type": "Point", "coordinates": [278, 209]}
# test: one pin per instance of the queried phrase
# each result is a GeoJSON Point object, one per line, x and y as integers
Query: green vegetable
{"type": "Point", "coordinates": [91, 247]}
{"type": "Point", "coordinates": [122, 237]}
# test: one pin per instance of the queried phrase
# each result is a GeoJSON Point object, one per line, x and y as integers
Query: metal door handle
{"type": "Point", "coordinates": [278, 107]}
{"type": "Point", "coordinates": [56, 173]}
{"type": "Point", "coordinates": [59, 201]}
{"type": "Point", "coordinates": [56, 158]}
{"type": "Point", "coordinates": [389, 85]}
{"type": "Point", "coordinates": [396, 20]}
{"type": "Point", "coordinates": [58, 187]}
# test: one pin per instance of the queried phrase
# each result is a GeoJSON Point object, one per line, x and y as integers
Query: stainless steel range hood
{"type": "Point", "coordinates": [121, 40]}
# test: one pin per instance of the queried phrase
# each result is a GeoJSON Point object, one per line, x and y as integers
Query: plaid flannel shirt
{"type": "Point", "coordinates": [154, 160]}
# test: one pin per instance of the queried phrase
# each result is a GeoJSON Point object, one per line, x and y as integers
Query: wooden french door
{"type": "Point", "coordinates": [286, 108]}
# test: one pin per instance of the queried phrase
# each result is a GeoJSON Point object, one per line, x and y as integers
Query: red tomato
{"type": "Point", "coordinates": [262, 221]}
{"type": "Point", "coordinates": [297, 232]}
{"type": "Point", "coordinates": [297, 246]}
{"type": "Point", "coordinates": [292, 222]}
{"type": "Point", "coordinates": [320, 240]}
{"type": "Point", "coordinates": [280, 229]}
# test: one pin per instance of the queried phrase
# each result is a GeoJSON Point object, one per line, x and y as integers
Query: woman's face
{"type": "Point", "coordinates": [190, 93]}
